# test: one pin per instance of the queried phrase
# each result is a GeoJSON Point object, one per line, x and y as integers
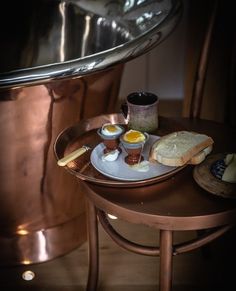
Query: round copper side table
{"type": "Point", "coordinates": [175, 203]}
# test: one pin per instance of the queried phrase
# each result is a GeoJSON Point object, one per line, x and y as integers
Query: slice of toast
{"type": "Point", "coordinates": [200, 157]}
{"type": "Point", "coordinates": [178, 148]}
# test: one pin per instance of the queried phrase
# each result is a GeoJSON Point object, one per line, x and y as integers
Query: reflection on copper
{"type": "Point", "coordinates": [26, 262]}
{"type": "Point", "coordinates": [22, 232]}
{"type": "Point", "coordinates": [42, 212]}
{"type": "Point", "coordinates": [112, 216]}
{"type": "Point", "coordinates": [42, 247]}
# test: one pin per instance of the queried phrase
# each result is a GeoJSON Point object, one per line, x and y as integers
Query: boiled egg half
{"type": "Point", "coordinates": [111, 129]}
{"type": "Point", "coordinates": [134, 136]}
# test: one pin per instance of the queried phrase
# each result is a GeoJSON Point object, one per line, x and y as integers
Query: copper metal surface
{"type": "Point", "coordinates": [171, 197]}
{"type": "Point", "coordinates": [179, 198]}
{"type": "Point", "coordinates": [36, 194]}
{"type": "Point", "coordinates": [122, 241]}
{"type": "Point", "coordinates": [85, 132]}
{"type": "Point", "coordinates": [175, 204]}
{"type": "Point", "coordinates": [64, 86]}
{"type": "Point", "coordinates": [166, 255]}
{"type": "Point", "coordinates": [25, 248]}
{"type": "Point", "coordinates": [93, 247]}
{"type": "Point", "coordinates": [204, 239]}
{"type": "Point", "coordinates": [179, 248]}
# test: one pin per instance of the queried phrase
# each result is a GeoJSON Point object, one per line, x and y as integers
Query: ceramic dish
{"type": "Point", "coordinates": [119, 170]}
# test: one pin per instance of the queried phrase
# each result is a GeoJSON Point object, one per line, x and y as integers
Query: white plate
{"type": "Point", "coordinates": [119, 170]}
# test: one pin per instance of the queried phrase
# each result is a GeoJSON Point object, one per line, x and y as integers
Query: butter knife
{"type": "Point", "coordinates": [73, 155]}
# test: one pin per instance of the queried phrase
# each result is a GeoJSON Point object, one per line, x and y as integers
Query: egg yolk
{"type": "Point", "coordinates": [111, 128]}
{"type": "Point", "coordinates": [134, 136]}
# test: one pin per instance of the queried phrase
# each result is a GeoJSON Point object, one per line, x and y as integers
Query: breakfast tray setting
{"type": "Point", "coordinates": [89, 166]}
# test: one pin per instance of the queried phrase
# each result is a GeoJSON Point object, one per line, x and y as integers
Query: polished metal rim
{"type": "Point", "coordinates": [138, 26]}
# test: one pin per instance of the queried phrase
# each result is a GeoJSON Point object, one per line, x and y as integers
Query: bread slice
{"type": "Point", "coordinates": [178, 148]}
{"type": "Point", "coordinates": [200, 157]}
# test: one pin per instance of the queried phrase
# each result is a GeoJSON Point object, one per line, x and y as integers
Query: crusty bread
{"type": "Point", "coordinates": [181, 147]}
{"type": "Point", "coordinates": [198, 158]}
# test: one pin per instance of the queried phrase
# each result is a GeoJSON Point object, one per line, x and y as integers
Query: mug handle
{"type": "Point", "coordinates": [124, 109]}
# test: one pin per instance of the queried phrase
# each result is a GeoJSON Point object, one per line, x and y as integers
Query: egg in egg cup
{"type": "Point", "coordinates": [110, 134]}
{"type": "Point", "coordinates": [133, 142]}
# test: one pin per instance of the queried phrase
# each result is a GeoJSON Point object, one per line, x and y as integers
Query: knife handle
{"type": "Point", "coordinates": [72, 156]}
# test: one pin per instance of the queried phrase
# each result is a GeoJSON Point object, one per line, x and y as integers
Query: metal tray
{"type": "Point", "coordinates": [85, 133]}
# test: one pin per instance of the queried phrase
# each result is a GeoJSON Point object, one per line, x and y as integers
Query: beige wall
{"type": "Point", "coordinates": [161, 70]}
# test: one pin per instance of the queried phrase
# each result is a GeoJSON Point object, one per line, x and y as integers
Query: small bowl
{"type": "Point", "coordinates": [134, 150]}
{"type": "Point", "coordinates": [111, 142]}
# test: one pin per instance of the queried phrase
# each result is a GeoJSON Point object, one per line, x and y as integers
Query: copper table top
{"type": "Point", "coordinates": [176, 203]}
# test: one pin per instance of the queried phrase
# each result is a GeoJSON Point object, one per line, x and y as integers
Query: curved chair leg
{"type": "Point", "coordinates": [92, 229]}
{"type": "Point", "coordinates": [166, 256]}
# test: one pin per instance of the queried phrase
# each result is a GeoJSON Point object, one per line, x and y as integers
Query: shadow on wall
{"type": "Point", "coordinates": [218, 98]}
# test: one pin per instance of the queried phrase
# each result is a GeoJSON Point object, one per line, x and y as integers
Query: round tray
{"type": "Point", "coordinates": [206, 177]}
{"type": "Point", "coordinates": [85, 133]}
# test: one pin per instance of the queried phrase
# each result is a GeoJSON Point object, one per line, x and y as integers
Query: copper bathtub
{"type": "Point", "coordinates": [63, 62]}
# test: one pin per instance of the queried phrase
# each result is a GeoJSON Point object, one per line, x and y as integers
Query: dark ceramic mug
{"type": "Point", "coordinates": [141, 111]}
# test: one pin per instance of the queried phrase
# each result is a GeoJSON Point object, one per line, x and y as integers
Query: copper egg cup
{"type": "Point", "coordinates": [111, 142]}
{"type": "Point", "coordinates": [134, 150]}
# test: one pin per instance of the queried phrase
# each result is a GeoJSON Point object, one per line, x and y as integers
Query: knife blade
{"type": "Point", "coordinates": [73, 155]}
